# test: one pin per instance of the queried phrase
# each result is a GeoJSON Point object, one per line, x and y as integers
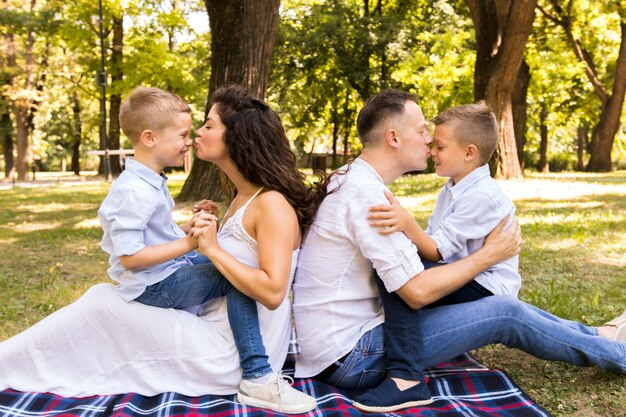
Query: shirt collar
{"type": "Point", "coordinates": [137, 168]}
{"type": "Point", "coordinates": [360, 162]}
{"type": "Point", "coordinates": [469, 180]}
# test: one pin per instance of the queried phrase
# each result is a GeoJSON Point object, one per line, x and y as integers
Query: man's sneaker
{"type": "Point", "coordinates": [276, 394]}
{"type": "Point", "coordinates": [620, 327]}
{"type": "Point", "coordinates": [387, 397]}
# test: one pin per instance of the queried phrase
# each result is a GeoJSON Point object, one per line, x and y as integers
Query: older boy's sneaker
{"type": "Point", "coordinates": [276, 394]}
{"type": "Point", "coordinates": [388, 397]}
{"type": "Point", "coordinates": [620, 327]}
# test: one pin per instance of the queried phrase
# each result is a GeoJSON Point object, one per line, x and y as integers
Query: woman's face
{"type": "Point", "coordinates": [209, 141]}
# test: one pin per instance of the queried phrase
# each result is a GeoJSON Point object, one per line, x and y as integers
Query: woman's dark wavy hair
{"type": "Point", "coordinates": [257, 144]}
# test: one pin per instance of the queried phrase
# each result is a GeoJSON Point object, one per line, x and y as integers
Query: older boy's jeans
{"type": "Point", "coordinates": [195, 284]}
{"type": "Point", "coordinates": [450, 331]}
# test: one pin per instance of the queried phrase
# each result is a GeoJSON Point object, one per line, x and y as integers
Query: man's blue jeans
{"type": "Point", "coordinates": [450, 331]}
{"type": "Point", "coordinates": [195, 284]}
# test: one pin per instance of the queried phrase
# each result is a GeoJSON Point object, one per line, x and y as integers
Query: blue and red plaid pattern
{"type": "Point", "coordinates": [462, 387]}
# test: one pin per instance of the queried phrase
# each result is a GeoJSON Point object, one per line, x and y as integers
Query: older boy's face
{"type": "Point", "coordinates": [446, 153]}
{"type": "Point", "coordinates": [173, 141]}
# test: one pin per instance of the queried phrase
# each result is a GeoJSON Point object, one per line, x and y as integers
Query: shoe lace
{"type": "Point", "coordinates": [281, 381]}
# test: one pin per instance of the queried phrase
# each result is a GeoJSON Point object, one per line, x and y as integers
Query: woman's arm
{"type": "Point", "coordinates": [274, 224]}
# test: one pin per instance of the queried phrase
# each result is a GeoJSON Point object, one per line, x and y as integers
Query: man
{"type": "Point", "coordinates": [337, 307]}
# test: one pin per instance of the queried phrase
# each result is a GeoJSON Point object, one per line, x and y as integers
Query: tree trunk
{"type": "Point", "coordinates": [7, 139]}
{"type": "Point", "coordinates": [520, 105]}
{"type": "Point", "coordinates": [581, 135]}
{"type": "Point", "coordinates": [604, 134]}
{"type": "Point", "coordinates": [543, 145]}
{"type": "Point", "coordinates": [5, 120]}
{"type": "Point", "coordinates": [242, 39]}
{"type": "Point", "coordinates": [502, 30]}
{"type": "Point", "coordinates": [78, 134]}
{"type": "Point", "coordinates": [21, 106]}
{"type": "Point", "coordinates": [115, 100]}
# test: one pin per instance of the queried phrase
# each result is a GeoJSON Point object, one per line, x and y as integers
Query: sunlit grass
{"type": "Point", "coordinates": [573, 265]}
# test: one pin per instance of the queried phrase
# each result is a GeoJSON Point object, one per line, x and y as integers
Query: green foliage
{"type": "Point", "coordinates": [558, 79]}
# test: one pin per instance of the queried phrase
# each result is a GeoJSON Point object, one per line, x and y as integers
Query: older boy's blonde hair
{"type": "Point", "coordinates": [149, 108]}
{"type": "Point", "coordinates": [472, 124]}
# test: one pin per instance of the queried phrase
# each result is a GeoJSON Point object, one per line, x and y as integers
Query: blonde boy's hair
{"type": "Point", "coordinates": [472, 124]}
{"type": "Point", "coordinates": [149, 108]}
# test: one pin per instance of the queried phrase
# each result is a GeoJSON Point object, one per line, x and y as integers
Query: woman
{"type": "Point", "coordinates": [129, 347]}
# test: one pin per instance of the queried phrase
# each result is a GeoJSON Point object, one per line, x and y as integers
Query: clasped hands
{"type": "Point", "coordinates": [204, 225]}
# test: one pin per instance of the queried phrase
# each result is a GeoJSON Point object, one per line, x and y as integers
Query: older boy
{"type": "Point", "coordinates": [468, 207]}
{"type": "Point", "coordinates": [155, 261]}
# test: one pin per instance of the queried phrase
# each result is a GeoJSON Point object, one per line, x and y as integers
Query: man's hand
{"type": "Point", "coordinates": [389, 218]}
{"type": "Point", "coordinates": [504, 243]}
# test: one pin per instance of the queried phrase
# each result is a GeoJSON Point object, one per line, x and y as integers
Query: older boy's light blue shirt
{"type": "Point", "coordinates": [463, 216]}
{"type": "Point", "coordinates": [137, 213]}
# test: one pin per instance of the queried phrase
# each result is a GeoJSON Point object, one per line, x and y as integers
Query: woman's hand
{"type": "Point", "coordinates": [206, 205]}
{"type": "Point", "coordinates": [206, 234]}
{"type": "Point", "coordinates": [389, 218]}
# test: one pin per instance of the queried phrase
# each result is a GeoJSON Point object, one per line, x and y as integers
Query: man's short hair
{"type": "Point", "coordinates": [149, 108]}
{"type": "Point", "coordinates": [377, 109]}
{"type": "Point", "coordinates": [472, 124]}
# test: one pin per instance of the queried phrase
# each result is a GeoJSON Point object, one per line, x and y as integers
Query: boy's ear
{"type": "Point", "coordinates": [147, 138]}
{"type": "Point", "coordinates": [391, 137]}
{"type": "Point", "coordinates": [471, 153]}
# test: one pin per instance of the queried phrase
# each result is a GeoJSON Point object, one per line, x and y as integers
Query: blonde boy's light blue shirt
{"type": "Point", "coordinates": [137, 213]}
{"type": "Point", "coordinates": [463, 216]}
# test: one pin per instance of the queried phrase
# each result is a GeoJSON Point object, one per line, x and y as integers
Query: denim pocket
{"type": "Point", "coordinates": [156, 299]}
{"type": "Point", "coordinates": [371, 378]}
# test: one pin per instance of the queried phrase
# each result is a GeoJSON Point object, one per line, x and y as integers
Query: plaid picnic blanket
{"type": "Point", "coordinates": [462, 387]}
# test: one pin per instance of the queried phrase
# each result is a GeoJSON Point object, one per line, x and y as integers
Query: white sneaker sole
{"type": "Point", "coordinates": [287, 409]}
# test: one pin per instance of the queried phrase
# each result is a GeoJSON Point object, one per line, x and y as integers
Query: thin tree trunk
{"type": "Point", "coordinates": [242, 39]}
{"type": "Point", "coordinates": [7, 139]}
{"type": "Point", "coordinates": [78, 134]}
{"type": "Point", "coordinates": [502, 30]}
{"type": "Point", "coordinates": [335, 136]}
{"type": "Point", "coordinates": [115, 99]}
{"type": "Point", "coordinates": [582, 138]}
{"type": "Point", "coordinates": [520, 105]}
{"type": "Point", "coordinates": [5, 119]}
{"type": "Point", "coordinates": [543, 145]}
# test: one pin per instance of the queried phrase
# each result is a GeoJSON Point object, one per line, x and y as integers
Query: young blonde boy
{"type": "Point", "coordinates": [469, 206]}
{"type": "Point", "coordinates": [154, 260]}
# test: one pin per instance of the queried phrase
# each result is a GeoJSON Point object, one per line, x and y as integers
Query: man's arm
{"type": "Point", "coordinates": [435, 283]}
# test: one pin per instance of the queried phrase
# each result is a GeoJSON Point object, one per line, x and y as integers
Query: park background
{"type": "Point", "coordinates": [553, 71]}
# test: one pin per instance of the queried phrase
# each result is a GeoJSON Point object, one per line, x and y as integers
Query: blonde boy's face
{"type": "Point", "coordinates": [173, 141]}
{"type": "Point", "coordinates": [448, 155]}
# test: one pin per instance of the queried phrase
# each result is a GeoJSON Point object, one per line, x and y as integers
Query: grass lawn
{"type": "Point", "coordinates": [573, 264]}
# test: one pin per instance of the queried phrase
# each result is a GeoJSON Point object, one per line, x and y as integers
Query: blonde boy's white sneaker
{"type": "Point", "coordinates": [275, 394]}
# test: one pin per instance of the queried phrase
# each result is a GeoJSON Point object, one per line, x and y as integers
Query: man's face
{"type": "Point", "coordinates": [414, 138]}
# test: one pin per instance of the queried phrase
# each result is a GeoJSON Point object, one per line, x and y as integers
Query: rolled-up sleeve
{"type": "Point", "coordinates": [393, 256]}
